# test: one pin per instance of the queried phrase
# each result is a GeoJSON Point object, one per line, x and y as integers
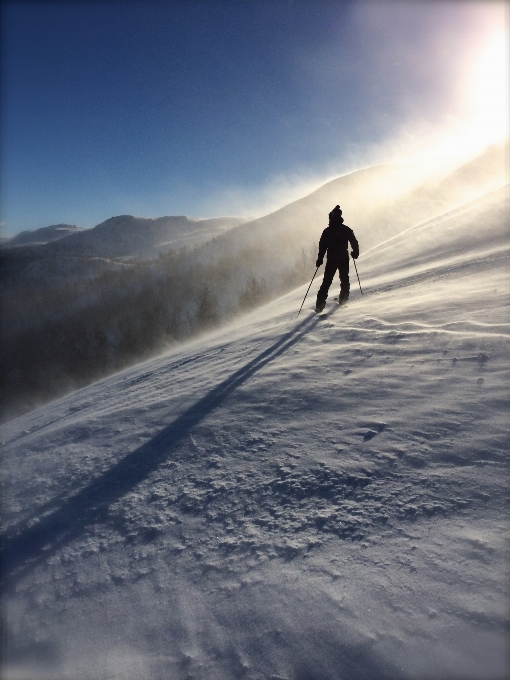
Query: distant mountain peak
{"type": "Point", "coordinates": [44, 235]}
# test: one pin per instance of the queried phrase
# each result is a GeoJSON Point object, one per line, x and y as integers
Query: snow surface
{"type": "Point", "coordinates": [308, 498]}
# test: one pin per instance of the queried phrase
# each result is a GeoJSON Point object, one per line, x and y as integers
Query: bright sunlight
{"type": "Point", "coordinates": [488, 91]}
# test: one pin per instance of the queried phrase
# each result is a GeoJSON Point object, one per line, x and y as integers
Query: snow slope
{"type": "Point", "coordinates": [320, 497]}
{"type": "Point", "coordinates": [377, 202]}
{"type": "Point", "coordinates": [43, 235]}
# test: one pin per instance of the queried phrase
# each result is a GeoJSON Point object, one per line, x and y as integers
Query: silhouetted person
{"type": "Point", "coordinates": [335, 241]}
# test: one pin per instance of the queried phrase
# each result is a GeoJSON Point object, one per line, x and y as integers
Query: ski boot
{"type": "Point", "coordinates": [343, 297]}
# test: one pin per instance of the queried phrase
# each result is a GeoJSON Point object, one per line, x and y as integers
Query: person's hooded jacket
{"type": "Point", "coordinates": [336, 238]}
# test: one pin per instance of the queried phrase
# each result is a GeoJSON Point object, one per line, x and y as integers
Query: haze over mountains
{"type": "Point", "coordinates": [43, 235]}
{"type": "Point", "coordinates": [126, 235]}
{"type": "Point", "coordinates": [378, 202]}
{"type": "Point", "coordinates": [95, 301]}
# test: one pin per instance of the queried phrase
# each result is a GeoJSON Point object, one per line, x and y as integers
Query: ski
{"type": "Point", "coordinates": [336, 300]}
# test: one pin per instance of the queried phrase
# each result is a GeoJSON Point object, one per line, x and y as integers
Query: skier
{"type": "Point", "coordinates": [335, 241]}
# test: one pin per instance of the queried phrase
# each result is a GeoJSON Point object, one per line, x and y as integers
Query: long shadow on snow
{"type": "Point", "coordinates": [32, 544]}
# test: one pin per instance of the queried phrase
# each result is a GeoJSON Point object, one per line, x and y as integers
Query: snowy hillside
{"type": "Point", "coordinates": [126, 235]}
{"type": "Point", "coordinates": [378, 202]}
{"type": "Point", "coordinates": [65, 268]}
{"type": "Point", "coordinates": [320, 497]}
{"type": "Point", "coordinates": [63, 254]}
{"type": "Point", "coordinates": [95, 302]}
{"type": "Point", "coordinates": [43, 235]}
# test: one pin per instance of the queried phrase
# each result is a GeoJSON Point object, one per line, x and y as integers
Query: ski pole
{"type": "Point", "coordinates": [357, 275]}
{"type": "Point", "coordinates": [308, 290]}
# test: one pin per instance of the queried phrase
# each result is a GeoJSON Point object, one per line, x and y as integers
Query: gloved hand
{"type": "Point", "coordinates": [354, 255]}
{"type": "Point", "coordinates": [319, 262]}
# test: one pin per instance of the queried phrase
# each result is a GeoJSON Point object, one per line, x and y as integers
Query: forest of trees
{"type": "Point", "coordinates": [69, 333]}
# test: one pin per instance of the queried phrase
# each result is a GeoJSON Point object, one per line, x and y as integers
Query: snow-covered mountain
{"type": "Point", "coordinates": [43, 235]}
{"type": "Point", "coordinates": [126, 235]}
{"type": "Point", "coordinates": [320, 497]}
{"type": "Point", "coordinates": [62, 254]}
{"type": "Point", "coordinates": [377, 202]}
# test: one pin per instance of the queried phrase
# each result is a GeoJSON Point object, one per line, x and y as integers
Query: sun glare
{"type": "Point", "coordinates": [483, 116]}
{"type": "Point", "coordinates": [488, 91]}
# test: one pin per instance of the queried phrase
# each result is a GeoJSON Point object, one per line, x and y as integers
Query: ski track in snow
{"type": "Point", "coordinates": [286, 498]}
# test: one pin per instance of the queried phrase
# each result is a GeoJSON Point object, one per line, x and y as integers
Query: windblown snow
{"type": "Point", "coordinates": [308, 498]}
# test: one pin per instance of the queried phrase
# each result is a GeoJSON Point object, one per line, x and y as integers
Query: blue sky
{"type": "Point", "coordinates": [210, 107]}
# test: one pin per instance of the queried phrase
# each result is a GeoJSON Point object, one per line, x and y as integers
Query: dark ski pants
{"type": "Point", "coordinates": [329, 273]}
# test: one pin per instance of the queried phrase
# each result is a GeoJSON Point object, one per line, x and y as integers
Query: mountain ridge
{"type": "Point", "coordinates": [43, 235]}
{"type": "Point", "coordinates": [377, 201]}
{"type": "Point", "coordinates": [124, 236]}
